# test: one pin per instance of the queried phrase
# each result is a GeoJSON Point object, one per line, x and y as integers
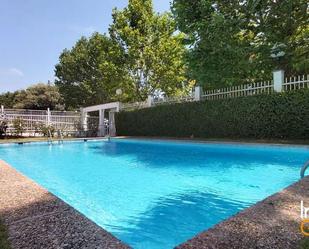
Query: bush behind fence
{"type": "Point", "coordinates": [278, 115]}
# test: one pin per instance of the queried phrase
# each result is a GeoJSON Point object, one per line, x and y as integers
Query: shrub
{"type": "Point", "coordinates": [45, 129]}
{"type": "Point", "coordinates": [3, 128]}
{"type": "Point", "coordinates": [18, 125]}
{"type": "Point", "coordinates": [284, 115]}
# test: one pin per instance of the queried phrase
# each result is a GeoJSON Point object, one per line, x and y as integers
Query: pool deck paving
{"type": "Point", "coordinates": [273, 223]}
{"type": "Point", "coordinates": [37, 219]}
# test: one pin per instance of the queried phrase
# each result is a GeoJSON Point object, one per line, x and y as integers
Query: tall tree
{"type": "Point", "coordinates": [90, 72]}
{"type": "Point", "coordinates": [232, 41]}
{"type": "Point", "coordinates": [153, 51]}
{"type": "Point", "coordinates": [8, 99]}
{"type": "Point", "coordinates": [38, 97]}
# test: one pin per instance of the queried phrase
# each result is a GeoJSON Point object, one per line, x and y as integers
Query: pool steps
{"type": "Point", "coordinates": [303, 169]}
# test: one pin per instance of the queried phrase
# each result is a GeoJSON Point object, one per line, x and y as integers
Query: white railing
{"type": "Point", "coordinates": [40, 112]}
{"type": "Point", "coordinates": [265, 87]}
{"type": "Point", "coordinates": [172, 100]}
{"type": "Point", "coordinates": [70, 121]}
{"type": "Point", "coordinates": [154, 101]}
{"type": "Point", "coordinates": [278, 84]}
{"type": "Point", "coordinates": [133, 106]}
{"type": "Point", "coordinates": [294, 83]}
{"type": "Point", "coordinates": [32, 119]}
{"type": "Point", "coordinates": [239, 91]}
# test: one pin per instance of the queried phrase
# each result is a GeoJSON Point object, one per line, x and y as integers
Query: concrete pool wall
{"type": "Point", "coordinates": [36, 218]}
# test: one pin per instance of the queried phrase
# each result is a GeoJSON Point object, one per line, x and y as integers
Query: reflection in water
{"type": "Point", "coordinates": [157, 194]}
{"type": "Point", "coordinates": [173, 220]}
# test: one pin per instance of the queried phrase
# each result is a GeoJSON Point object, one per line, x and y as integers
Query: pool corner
{"type": "Point", "coordinates": [36, 218]}
{"type": "Point", "coordinates": [271, 223]}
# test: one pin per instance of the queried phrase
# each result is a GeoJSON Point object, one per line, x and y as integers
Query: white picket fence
{"type": "Point", "coordinates": [266, 87]}
{"type": "Point", "coordinates": [173, 100]}
{"type": "Point", "coordinates": [277, 84]}
{"type": "Point", "coordinates": [239, 91]}
{"type": "Point", "coordinates": [134, 105]}
{"type": "Point", "coordinates": [294, 83]}
{"type": "Point", "coordinates": [64, 121]}
{"type": "Point", "coordinates": [70, 121]}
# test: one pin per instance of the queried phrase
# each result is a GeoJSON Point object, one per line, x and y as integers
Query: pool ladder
{"type": "Point", "coordinates": [49, 137]}
{"type": "Point", "coordinates": [60, 135]}
{"type": "Point", "coordinates": [303, 169]}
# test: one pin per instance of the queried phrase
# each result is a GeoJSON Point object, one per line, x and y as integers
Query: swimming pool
{"type": "Point", "coordinates": [157, 194]}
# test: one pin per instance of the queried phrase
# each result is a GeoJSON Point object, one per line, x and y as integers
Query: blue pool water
{"type": "Point", "coordinates": [157, 194]}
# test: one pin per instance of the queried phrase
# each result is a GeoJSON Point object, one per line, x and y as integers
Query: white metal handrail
{"type": "Point", "coordinates": [303, 169]}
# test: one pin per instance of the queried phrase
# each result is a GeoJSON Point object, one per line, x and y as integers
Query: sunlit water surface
{"type": "Point", "coordinates": [157, 194]}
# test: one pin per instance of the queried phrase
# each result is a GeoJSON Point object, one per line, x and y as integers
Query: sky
{"type": "Point", "coordinates": [33, 33]}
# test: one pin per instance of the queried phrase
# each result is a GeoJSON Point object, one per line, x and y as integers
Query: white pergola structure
{"type": "Point", "coordinates": [111, 108]}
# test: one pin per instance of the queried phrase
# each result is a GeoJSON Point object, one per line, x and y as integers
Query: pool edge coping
{"type": "Point", "coordinates": [55, 141]}
{"type": "Point", "coordinates": [168, 139]}
{"type": "Point", "coordinates": [21, 196]}
{"type": "Point", "coordinates": [273, 222]}
{"type": "Point", "coordinates": [205, 141]}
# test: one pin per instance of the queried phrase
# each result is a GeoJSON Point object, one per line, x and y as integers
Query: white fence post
{"type": "Point", "coordinates": [278, 76]}
{"type": "Point", "coordinates": [48, 116]}
{"type": "Point", "coordinates": [2, 110]}
{"type": "Point", "coordinates": [149, 101]}
{"type": "Point", "coordinates": [198, 93]}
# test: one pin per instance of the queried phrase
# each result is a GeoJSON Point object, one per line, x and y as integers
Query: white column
{"type": "Point", "coordinates": [84, 119]}
{"type": "Point", "coordinates": [112, 127]}
{"type": "Point", "coordinates": [278, 76]}
{"type": "Point", "coordinates": [198, 93]}
{"type": "Point", "coordinates": [149, 101]}
{"type": "Point", "coordinates": [101, 123]}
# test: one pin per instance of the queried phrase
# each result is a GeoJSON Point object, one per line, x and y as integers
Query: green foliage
{"type": "Point", "coordinates": [90, 72]}
{"type": "Point", "coordinates": [232, 41]}
{"type": "Point", "coordinates": [142, 55]}
{"type": "Point", "coordinates": [153, 52]}
{"type": "Point", "coordinates": [38, 97]}
{"type": "Point", "coordinates": [283, 116]}
{"type": "Point", "coordinates": [8, 99]}
{"type": "Point", "coordinates": [93, 127]}
{"type": "Point", "coordinates": [45, 129]}
{"type": "Point", "coordinates": [3, 128]}
{"type": "Point", "coordinates": [18, 125]}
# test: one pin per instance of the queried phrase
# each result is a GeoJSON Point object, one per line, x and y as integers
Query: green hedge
{"type": "Point", "coordinates": [284, 115]}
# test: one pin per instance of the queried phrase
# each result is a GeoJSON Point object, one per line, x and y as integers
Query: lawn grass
{"type": "Point", "coordinates": [4, 244]}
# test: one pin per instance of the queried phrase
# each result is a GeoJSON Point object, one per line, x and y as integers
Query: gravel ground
{"type": "Point", "coordinates": [36, 219]}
